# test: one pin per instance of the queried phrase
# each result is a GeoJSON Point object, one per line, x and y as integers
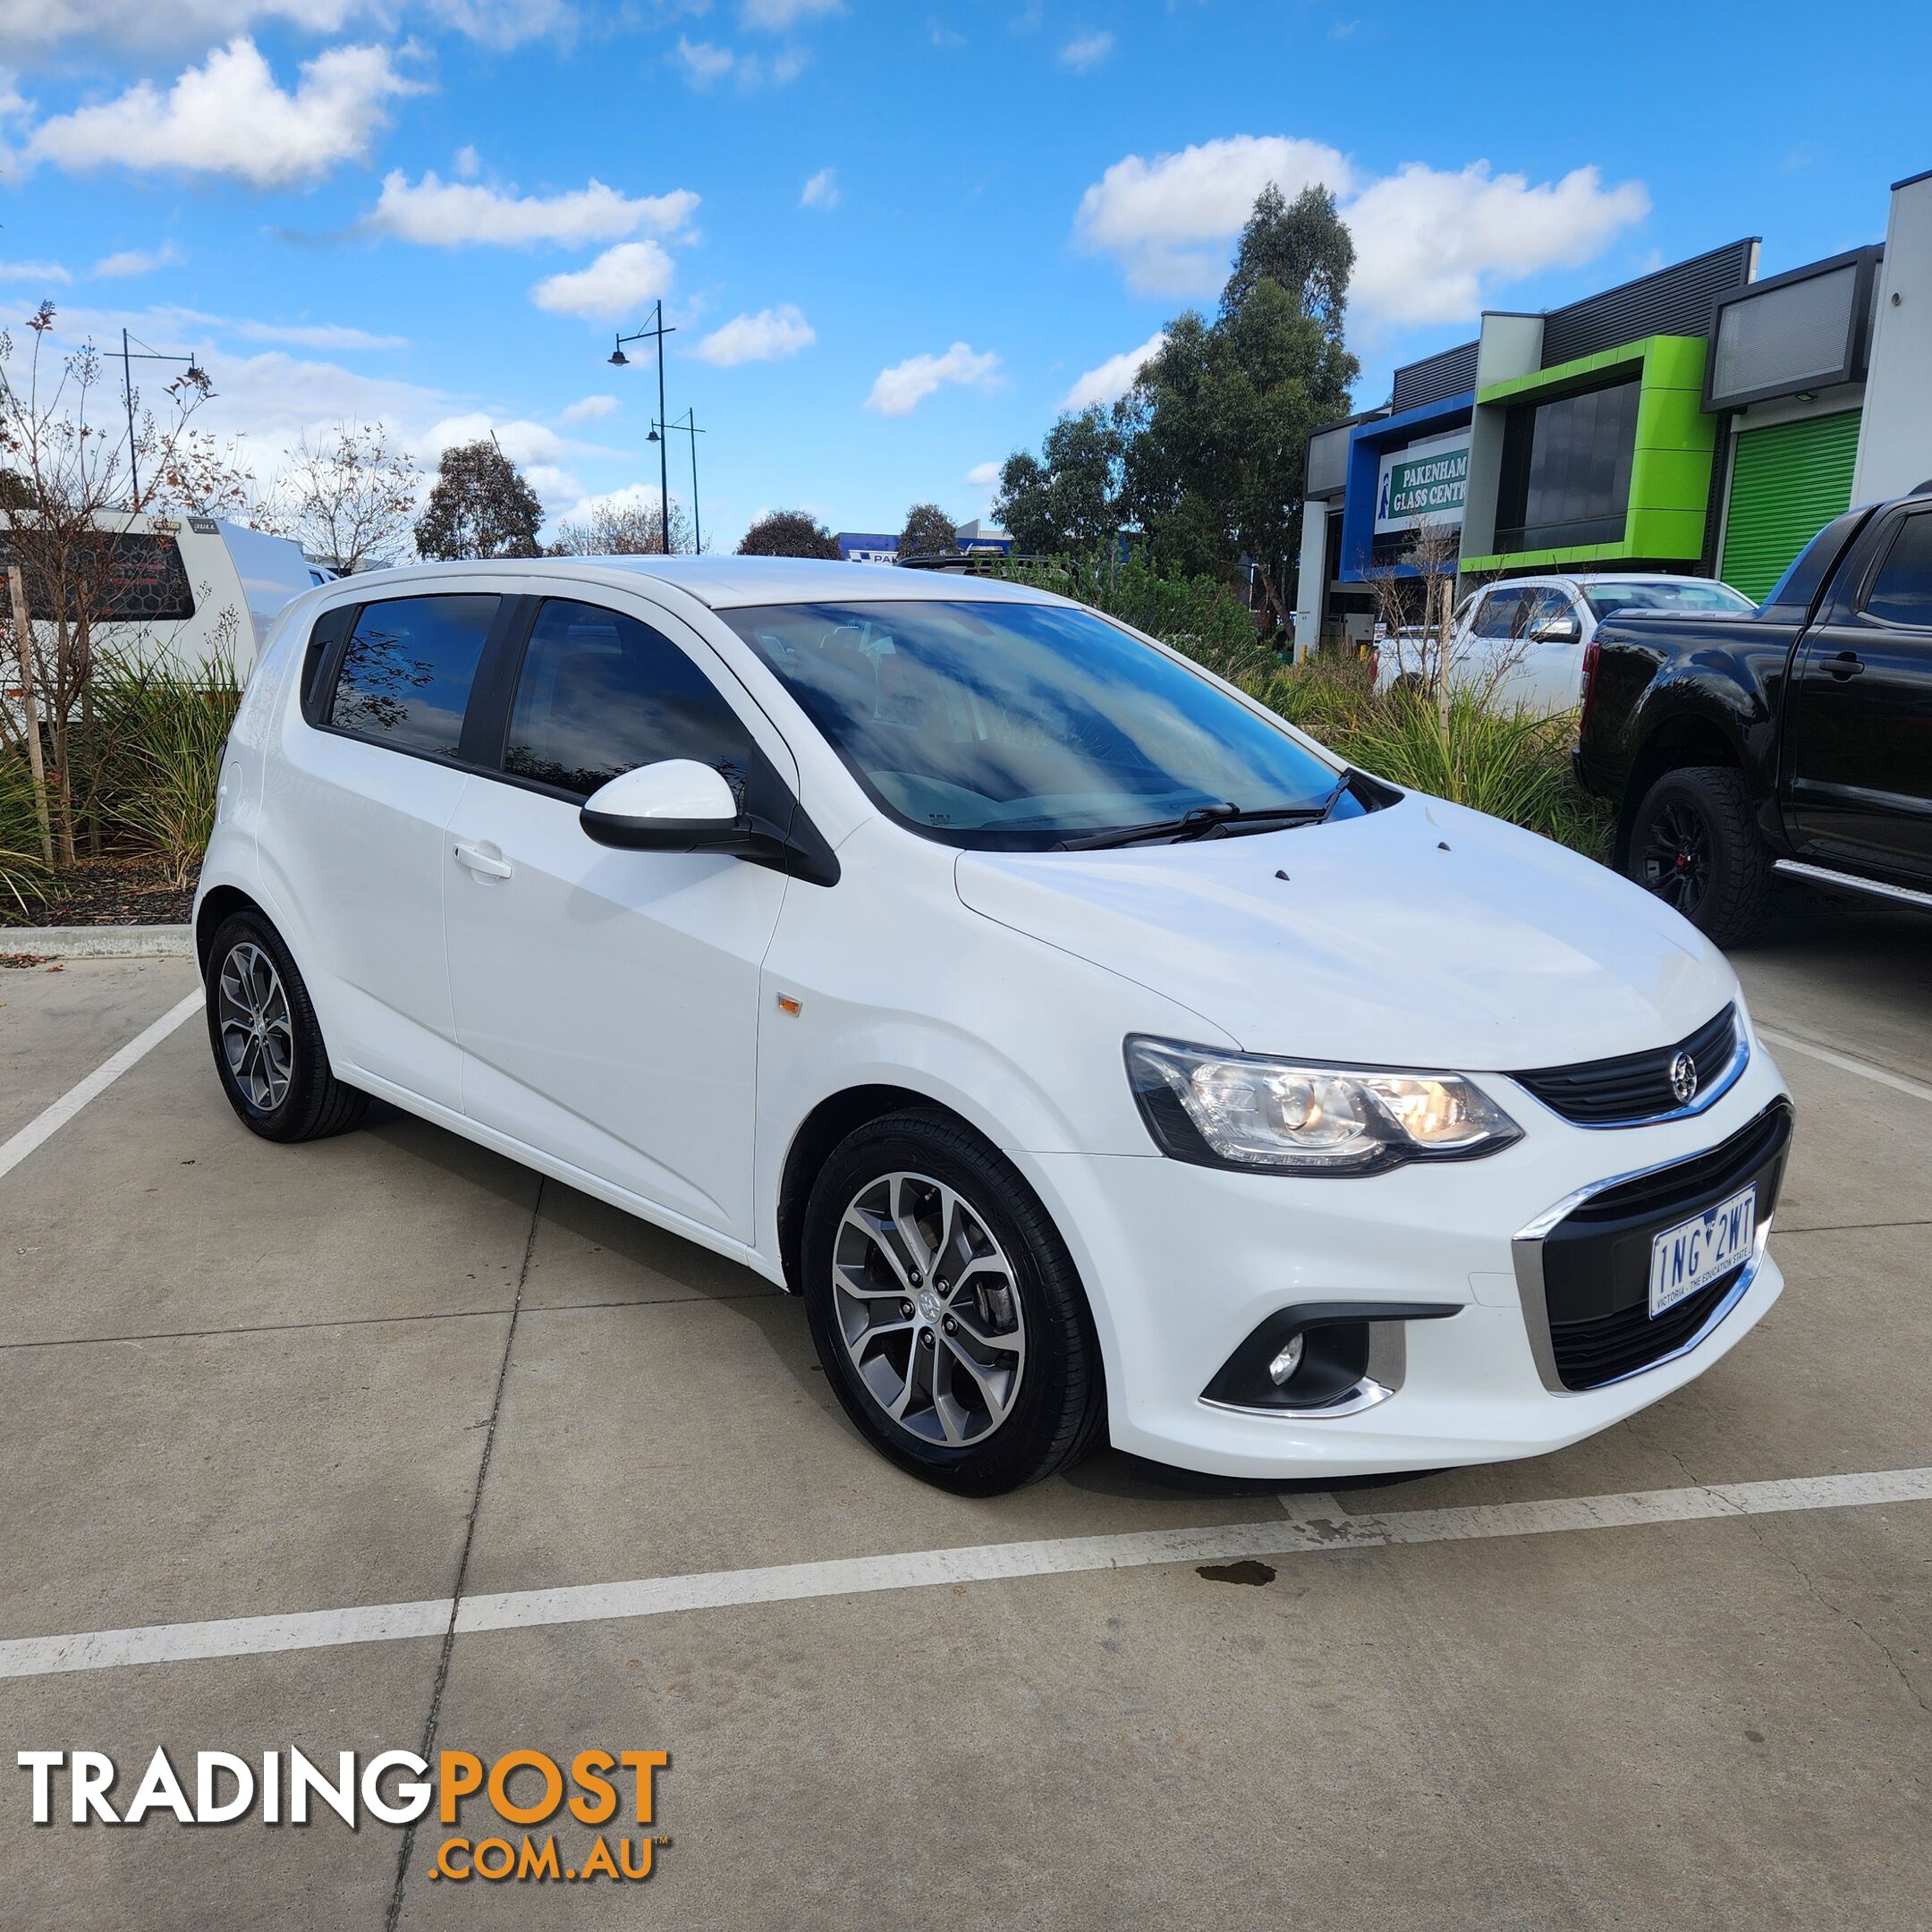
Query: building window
{"type": "Point", "coordinates": [1566, 470]}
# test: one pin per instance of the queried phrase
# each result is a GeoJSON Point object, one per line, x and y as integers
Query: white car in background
{"type": "Point", "coordinates": [1524, 639]}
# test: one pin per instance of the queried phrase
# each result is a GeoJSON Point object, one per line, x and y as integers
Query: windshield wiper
{"type": "Point", "coordinates": [1207, 821]}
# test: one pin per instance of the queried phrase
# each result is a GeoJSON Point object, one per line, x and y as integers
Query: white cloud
{"type": "Point", "coordinates": [520, 439]}
{"type": "Point", "coordinates": [135, 262]}
{"type": "Point", "coordinates": [821, 190]}
{"type": "Point", "coordinates": [1087, 52]}
{"type": "Point", "coordinates": [229, 117]}
{"type": "Point", "coordinates": [314, 335]}
{"type": "Point", "coordinates": [900, 390]}
{"type": "Point", "coordinates": [28, 26]}
{"type": "Point", "coordinates": [1114, 377]}
{"type": "Point", "coordinates": [442, 214]}
{"type": "Point", "coordinates": [620, 282]}
{"type": "Point", "coordinates": [768, 336]}
{"type": "Point", "coordinates": [194, 327]}
{"type": "Point", "coordinates": [1429, 242]}
{"type": "Point", "coordinates": [467, 163]}
{"type": "Point", "coordinates": [1169, 220]}
{"type": "Point", "coordinates": [983, 475]}
{"type": "Point", "coordinates": [776, 15]}
{"type": "Point", "coordinates": [705, 64]}
{"type": "Point", "coordinates": [49, 272]}
{"type": "Point", "coordinates": [589, 409]}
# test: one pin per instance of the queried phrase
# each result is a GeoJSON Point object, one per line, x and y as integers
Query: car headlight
{"type": "Point", "coordinates": [1246, 1110]}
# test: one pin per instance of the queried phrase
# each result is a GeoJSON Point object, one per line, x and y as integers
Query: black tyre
{"type": "Point", "coordinates": [947, 1310]}
{"type": "Point", "coordinates": [1694, 842]}
{"type": "Point", "coordinates": [267, 1047]}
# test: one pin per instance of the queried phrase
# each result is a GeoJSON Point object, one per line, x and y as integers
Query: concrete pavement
{"type": "Point", "coordinates": [243, 1380]}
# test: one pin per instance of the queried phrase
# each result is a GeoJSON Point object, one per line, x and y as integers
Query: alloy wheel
{"type": "Point", "coordinates": [929, 1308]}
{"type": "Point", "coordinates": [1676, 857]}
{"type": "Point", "coordinates": [257, 1039]}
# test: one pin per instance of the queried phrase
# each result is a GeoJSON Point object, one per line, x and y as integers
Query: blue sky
{"type": "Point", "coordinates": [893, 241]}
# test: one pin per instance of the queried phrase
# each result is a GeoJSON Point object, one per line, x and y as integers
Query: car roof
{"type": "Point", "coordinates": [732, 582]}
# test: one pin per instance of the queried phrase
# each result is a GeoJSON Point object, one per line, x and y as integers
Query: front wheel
{"type": "Point", "coordinates": [1695, 844]}
{"type": "Point", "coordinates": [945, 1309]}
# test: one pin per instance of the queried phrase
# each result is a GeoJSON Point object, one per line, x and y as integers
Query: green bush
{"type": "Point", "coordinates": [23, 874]}
{"type": "Point", "coordinates": [1513, 764]}
{"type": "Point", "coordinates": [156, 739]}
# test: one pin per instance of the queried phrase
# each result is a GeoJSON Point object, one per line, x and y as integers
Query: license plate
{"type": "Point", "coordinates": [1695, 1253]}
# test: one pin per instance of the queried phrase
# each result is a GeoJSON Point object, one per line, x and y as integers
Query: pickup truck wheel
{"type": "Point", "coordinates": [1695, 844]}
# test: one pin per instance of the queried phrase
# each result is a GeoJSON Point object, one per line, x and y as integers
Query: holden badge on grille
{"type": "Point", "coordinates": [1683, 1078]}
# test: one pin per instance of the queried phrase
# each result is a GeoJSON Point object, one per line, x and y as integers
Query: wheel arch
{"type": "Point", "coordinates": [1689, 738]}
{"type": "Point", "coordinates": [821, 1131]}
{"type": "Point", "coordinates": [218, 903]}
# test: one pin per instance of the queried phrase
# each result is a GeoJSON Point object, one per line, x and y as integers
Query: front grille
{"type": "Point", "coordinates": [1593, 1265]}
{"type": "Point", "coordinates": [1590, 1353]}
{"type": "Point", "coordinates": [1635, 1088]}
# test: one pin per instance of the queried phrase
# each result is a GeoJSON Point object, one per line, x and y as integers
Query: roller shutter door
{"type": "Point", "coordinates": [1787, 482]}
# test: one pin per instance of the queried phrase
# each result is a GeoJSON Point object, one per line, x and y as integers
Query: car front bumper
{"type": "Point", "coordinates": [1183, 1263]}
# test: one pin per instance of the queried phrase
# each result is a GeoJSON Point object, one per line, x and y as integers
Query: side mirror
{"type": "Point", "coordinates": [1564, 630]}
{"type": "Point", "coordinates": [676, 805]}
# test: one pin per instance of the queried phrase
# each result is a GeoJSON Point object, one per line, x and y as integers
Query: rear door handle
{"type": "Point", "coordinates": [486, 865]}
{"type": "Point", "coordinates": [1846, 664]}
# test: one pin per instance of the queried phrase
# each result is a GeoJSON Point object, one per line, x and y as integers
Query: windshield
{"type": "Point", "coordinates": [1016, 725]}
{"type": "Point", "coordinates": [1689, 597]}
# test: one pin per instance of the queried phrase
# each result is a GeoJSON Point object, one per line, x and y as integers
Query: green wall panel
{"type": "Point", "coordinates": [1788, 481]}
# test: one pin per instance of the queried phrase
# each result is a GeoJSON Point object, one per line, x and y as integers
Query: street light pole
{"type": "Point", "coordinates": [656, 333]}
{"type": "Point", "coordinates": [129, 357]}
{"type": "Point", "coordinates": [689, 427]}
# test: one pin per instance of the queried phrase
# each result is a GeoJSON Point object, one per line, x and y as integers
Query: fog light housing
{"type": "Point", "coordinates": [1311, 1357]}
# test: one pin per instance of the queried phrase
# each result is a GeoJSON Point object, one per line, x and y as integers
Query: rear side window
{"type": "Point", "coordinates": [600, 693]}
{"type": "Point", "coordinates": [1500, 614]}
{"type": "Point", "coordinates": [1902, 592]}
{"type": "Point", "coordinates": [407, 669]}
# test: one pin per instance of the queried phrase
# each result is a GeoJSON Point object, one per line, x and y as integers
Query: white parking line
{"type": "Point", "coordinates": [716, 1589]}
{"type": "Point", "coordinates": [50, 1120]}
{"type": "Point", "coordinates": [1844, 1063]}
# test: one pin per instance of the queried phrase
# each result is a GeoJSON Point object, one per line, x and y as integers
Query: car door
{"type": "Point", "coordinates": [607, 1001]}
{"type": "Point", "coordinates": [1859, 733]}
{"type": "Point", "coordinates": [353, 812]}
{"type": "Point", "coordinates": [1544, 672]}
{"type": "Point", "coordinates": [1482, 655]}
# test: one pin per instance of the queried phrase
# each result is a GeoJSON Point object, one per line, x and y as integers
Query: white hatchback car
{"type": "Point", "coordinates": [1096, 1054]}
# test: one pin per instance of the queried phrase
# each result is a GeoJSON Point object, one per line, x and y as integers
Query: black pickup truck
{"type": "Point", "coordinates": [1795, 740]}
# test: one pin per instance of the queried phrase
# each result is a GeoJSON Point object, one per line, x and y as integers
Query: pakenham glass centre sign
{"type": "Point", "coordinates": [1423, 484]}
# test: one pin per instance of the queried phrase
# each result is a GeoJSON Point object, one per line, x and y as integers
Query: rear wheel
{"type": "Point", "coordinates": [945, 1308]}
{"type": "Point", "coordinates": [268, 1046]}
{"type": "Point", "coordinates": [1695, 844]}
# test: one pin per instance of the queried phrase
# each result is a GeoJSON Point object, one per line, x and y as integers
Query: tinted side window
{"type": "Point", "coordinates": [407, 669]}
{"type": "Point", "coordinates": [1901, 593]}
{"type": "Point", "coordinates": [1498, 615]}
{"type": "Point", "coordinates": [600, 693]}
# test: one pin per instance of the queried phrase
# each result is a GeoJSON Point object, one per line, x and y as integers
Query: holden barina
{"type": "Point", "coordinates": [1095, 1056]}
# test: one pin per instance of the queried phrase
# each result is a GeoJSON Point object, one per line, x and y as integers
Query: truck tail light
{"type": "Point", "coordinates": [1592, 656]}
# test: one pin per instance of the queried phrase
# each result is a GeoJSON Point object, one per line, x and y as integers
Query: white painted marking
{"type": "Point", "coordinates": [717, 1589]}
{"type": "Point", "coordinates": [50, 1120]}
{"type": "Point", "coordinates": [1844, 1063]}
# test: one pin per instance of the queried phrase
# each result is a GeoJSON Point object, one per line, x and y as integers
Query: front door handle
{"type": "Point", "coordinates": [1846, 664]}
{"type": "Point", "coordinates": [485, 865]}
